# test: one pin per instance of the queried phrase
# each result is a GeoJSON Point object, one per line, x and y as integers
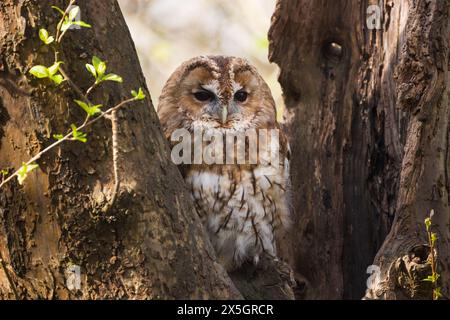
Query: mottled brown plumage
{"type": "Point", "coordinates": [243, 206]}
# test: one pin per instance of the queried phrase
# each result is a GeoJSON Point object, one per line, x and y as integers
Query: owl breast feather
{"type": "Point", "coordinates": [241, 207]}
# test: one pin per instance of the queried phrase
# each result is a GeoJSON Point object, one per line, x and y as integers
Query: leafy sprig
{"type": "Point", "coordinates": [45, 37]}
{"type": "Point", "coordinates": [51, 72]}
{"type": "Point", "coordinates": [139, 95]}
{"type": "Point", "coordinates": [68, 20]}
{"type": "Point", "coordinates": [432, 239]}
{"type": "Point", "coordinates": [3, 173]}
{"type": "Point", "coordinates": [98, 69]}
{"type": "Point", "coordinates": [78, 135]}
{"type": "Point", "coordinates": [24, 170]}
{"type": "Point", "coordinates": [90, 109]}
{"type": "Point", "coordinates": [57, 75]}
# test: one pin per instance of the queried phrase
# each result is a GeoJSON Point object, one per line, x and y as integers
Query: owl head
{"type": "Point", "coordinates": [220, 92]}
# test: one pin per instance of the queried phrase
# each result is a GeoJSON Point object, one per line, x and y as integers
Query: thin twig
{"type": "Point", "coordinates": [431, 241]}
{"type": "Point", "coordinates": [109, 114]}
{"type": "Point", "coordinates": [433, 263]}
{"type": "Point", "coordinates": [88, 92]}
{"type": "Point", "coordinates": [75, 87]}
{"type": "Point", "coordinates": [62, 35]}
{"type": "Point", "coordinates": [68, 136]}
{"type": "Point", "coordinates": [58, 27]}
{"type": "Point", "coordinates": [115, 148]}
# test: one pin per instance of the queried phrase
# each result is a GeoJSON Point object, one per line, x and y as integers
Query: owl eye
{"type": "Point", "coordinates": [241, 96]}
{"type": "Point", "coordinates": [203, 95]}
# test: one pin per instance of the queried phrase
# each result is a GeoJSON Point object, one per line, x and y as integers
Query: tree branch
{"type": "Point", "coordinates": [68, 136]}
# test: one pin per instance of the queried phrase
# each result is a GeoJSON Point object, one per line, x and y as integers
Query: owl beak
{"type": "Point", "coordinates": [224, 114]}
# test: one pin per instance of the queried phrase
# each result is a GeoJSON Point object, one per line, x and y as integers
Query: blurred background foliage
{"type": "Point", "coordinates": [168, 32]}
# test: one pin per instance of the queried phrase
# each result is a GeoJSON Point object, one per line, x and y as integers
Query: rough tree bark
{"type": "Point", "coordinates": [368, 114]}
{"type": "Point", "coordinates": [151, 245]}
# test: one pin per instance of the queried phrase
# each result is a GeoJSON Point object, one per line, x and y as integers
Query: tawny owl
{"type": "Point", "coordinates": [243, 205]}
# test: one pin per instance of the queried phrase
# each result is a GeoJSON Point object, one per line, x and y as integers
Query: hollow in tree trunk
{"type": "Point", "coordinates": [368, 116]}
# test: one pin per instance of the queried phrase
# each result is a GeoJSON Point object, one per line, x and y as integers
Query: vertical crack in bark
{"type": "Point", "coordinates": [388, 120]}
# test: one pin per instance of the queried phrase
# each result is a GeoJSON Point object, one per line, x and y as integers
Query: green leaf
{"type": "Point", "coordinates": [90, 109]}
{"type": "Point", "coordinates": [43, 35]}
{"type": "Point", "coordinates": [22, 173]}
{"type": "Point", "coordinates": [40, 72]}
{"type": "Point", "coordinates": [57, 79]}
{"type": "Point", "coordinates": [58, 136]}
{"type": "Point", "coordinates": [96, 62]}
{"type": "Point", "coordinates": [437, 293]}
{"type": "Point", "coordinates": [433, 238]}
{"type": "Point", "coordinates": [70, 19]}
{"type": "Point", "coordinates": [58, 9]}
{"type": "Point", "coordinates": [433, 278]}
{"type": "Point", "coordinates": [112, 77]}
{"type": "Point", "coordinates": [138, 95]}
{"type": "Point", "coordinates": [4, 172]}
{"type": "Point", "coordinates": [73, 13]}
{"type": "Point", "coordinates": [82, 104]}
{"type": "Point", "coordinates": [91, 69]}
{"type": "Point", "coordinates": [66, 25]}
{"type": "Point", "coordinates": [101, 69]}
{"type": "Point", "coordinates": [93, 110]}
{"type": "Point", "coordinates": [81, 137]}
{"type": "Point", "coordinates": [77, 135]}
{"type": "Point", "coordinates": [52, 70]}
{"type": "Point", "coordinates": [82, 24]}
{"type": "Point", "coordinates": [99, 65]}
{"type": "Point", "coordinates": [50, 40]}
{"type": "Point", "coordinates": [428, 223]}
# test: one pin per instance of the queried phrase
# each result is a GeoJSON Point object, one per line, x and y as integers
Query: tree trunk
{"type": "Point", "coordinates": [368, 115]}
{"type": "Point", "coordinates": [151, 244]}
